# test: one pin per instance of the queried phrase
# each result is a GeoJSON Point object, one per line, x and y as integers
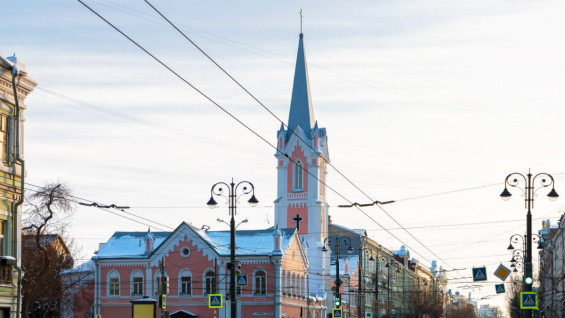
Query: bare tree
{"type": "Point", "coordinates": [45, 250]}
{"type": "Point", "coordinates": [513, 296]}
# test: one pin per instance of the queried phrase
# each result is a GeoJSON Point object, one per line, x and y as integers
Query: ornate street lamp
{"type": "Point", "coordinates": [336, 241]}
{"type": "Point", "coordinates": [232, 198]}
{"type": "Point", "coordinates": [529, 189]}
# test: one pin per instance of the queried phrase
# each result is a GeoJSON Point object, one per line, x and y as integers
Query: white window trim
{"type": "Point", "coordinates": [156, 281]}
{"type": "Point", "coordinates": [255, 281]}
{"type": "Point", "coordinates": [185, 272]}
{"type": "Point", "coordinates": [204, 281]}
{"type": "Point", "coordinates": [136, 273]}
{"type": "Point", "coordinates": [113, 274]}
{"type": "Point", "coordinates": [297, 175]}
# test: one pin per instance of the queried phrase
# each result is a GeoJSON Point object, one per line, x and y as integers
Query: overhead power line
{"type": "Point", "coordinates": [304, 142]}
{"type": "Point", "coordinates": [243, 124]}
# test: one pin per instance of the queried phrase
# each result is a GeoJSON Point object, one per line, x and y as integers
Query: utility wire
{"type": "Point", "coordinates": [239, 121]}
{"type": "Point", "coordinates": [304, 142]}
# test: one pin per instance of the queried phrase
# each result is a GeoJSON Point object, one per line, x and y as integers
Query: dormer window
{"type": "Point", "coordinates": [298, 176]}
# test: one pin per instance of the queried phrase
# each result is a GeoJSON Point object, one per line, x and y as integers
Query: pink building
{"type": "Point", "coordinates": [196, 265]}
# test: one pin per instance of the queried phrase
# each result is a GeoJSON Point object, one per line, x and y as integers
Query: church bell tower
{"type": "Point", "coordinates": [302, 157]}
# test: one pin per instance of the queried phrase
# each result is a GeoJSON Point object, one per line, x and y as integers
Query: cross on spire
{"type": "Point", "coordinates": [301, 16]}
{"type": "Point", "coordinates": [297, 219]}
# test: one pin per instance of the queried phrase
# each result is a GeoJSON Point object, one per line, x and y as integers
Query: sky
{"type": "Point", "coordinates": [429, 103]}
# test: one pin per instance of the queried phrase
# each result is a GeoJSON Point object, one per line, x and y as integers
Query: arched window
{"type": "Point", "coordinates": [293, 285]}
{"type": "Point", "coordinates": [113, 282]}
{"type": "Point", "coordinates": [136, 283]}
{"type": "Point", "coordinates": [209, 282]}
{"type": "Point", "coordinates": [260, 278]}
{"type": "Point", "coordinates": [283, 282]}
{"type": "Point", "coordinates": [298, 173]}
{"type": "Point", "coordinates": [158, 283]}
{"type": "Point", "coordinates": [301, 291]}
{"type": "Point", "coordinates": [185, 282]}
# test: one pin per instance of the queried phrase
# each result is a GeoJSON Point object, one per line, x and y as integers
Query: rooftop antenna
{"type": "Point", "coordinates": [301, 16]}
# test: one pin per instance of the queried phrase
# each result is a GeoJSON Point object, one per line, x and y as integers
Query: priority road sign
{"type": "Point", "coordinates": [528, 300]}
{"type": "Point", "coordinates": [500, 288]}
{"type": "Point", "coordinates": [502, 272]}
{"type": "Point", "coordinates": [337, 313]}
{"type": "Point", "coordinates": [241, 280]}
{"type": "Point", "coordinates": [479, 274]}
{"type": "Point", "coordinates": [215, 301]}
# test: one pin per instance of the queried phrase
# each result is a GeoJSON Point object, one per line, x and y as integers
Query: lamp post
{"type": "Point", "coordinates": [232, 198]}
{"type": "Point", "coordinates": [361, 313]}
{"type": "Point", "coordinates": [529, 189]}
{"type": "Point", "coordinates": [379, 261]}
{"type": "Point", "coordinates": [336, 241]}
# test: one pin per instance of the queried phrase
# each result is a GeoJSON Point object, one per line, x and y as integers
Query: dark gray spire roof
{"type": "Point", "coordinates": [301, 111]}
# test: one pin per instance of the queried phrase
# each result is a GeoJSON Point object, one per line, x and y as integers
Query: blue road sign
{"type": "Point", "coordinates": [528, 300]}
{"type": "Point", "coordinates": [215, 301]}
{"type": "Point", "coordinates": [500, 288]}
{"type": "Point", "coordinates": [337, 313]}
{"type": "Point", "coordinates": [479, 274]}
{"type": "Point", "coordinates": [241, 280]}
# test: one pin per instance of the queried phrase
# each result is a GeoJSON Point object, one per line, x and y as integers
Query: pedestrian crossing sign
{"type": "Point", "coordinates": [502, 272]}
{"type": "Point", "coordinates": [241, 280]}
{"type": "Point", "coordinates": [500, 288]}
{"type": "Point", "coordinates": [479, 274]}
{"type": "Point", "coordinates": [337, 313]}
{"type": "Point", "coordinates": [215, 301]}
{"type": "Point", "coordinates": [528, 300]}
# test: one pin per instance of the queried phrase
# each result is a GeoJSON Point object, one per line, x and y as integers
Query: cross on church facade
{"type": "Point", "coordinates": [297, 219]}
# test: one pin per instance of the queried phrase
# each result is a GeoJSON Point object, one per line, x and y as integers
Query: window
{"type": "Point", "coordinates": [1, 238]}
{"type": "Point", "coordinates": [137, 286]}
{"type": "Point", "coordinates": [113, 283]}
{"type": "Point", "coordinates": [4, 131]}
{"type": "Point", "coordinates": [159, 285]}
{"type": "Point", "coordinates": [185, 282]}
{"type": "Point", "coordinates": [210, 282]}
{"type": "Point", "coordinates": [260, 282]}
{"type": "Point", "coordinates": [136, 283]}
{"type": "Point", "coordinates": [184, 252]}
{"type": "Point", "coordinates": [298, 176]}
{"type": "Point", "coordinates": [284, 285]}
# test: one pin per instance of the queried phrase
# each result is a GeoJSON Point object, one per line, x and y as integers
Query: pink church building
{"type": "Point", "coordinates": [287, 271]}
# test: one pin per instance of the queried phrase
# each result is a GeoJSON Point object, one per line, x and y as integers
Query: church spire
{"type": "Point", "coordinates": [301, 112]}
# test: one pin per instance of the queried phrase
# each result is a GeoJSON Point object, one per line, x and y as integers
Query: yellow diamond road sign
{"type": "Point", "coordinates": [502, 272]}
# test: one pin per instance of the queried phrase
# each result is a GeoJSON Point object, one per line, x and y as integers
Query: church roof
{"type": "Point", "coordinates": [301, 111]}
{"type": "Point", "coordinates": [248, 242]}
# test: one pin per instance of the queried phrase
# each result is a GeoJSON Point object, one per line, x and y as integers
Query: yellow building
{"type": "Point", "coordinates": [15, 86]}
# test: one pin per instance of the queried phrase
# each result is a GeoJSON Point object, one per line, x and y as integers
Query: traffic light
{"type": "Point", "coordinates": [337, 300]}
{"type": "Point", "coordinates": [528, 278]}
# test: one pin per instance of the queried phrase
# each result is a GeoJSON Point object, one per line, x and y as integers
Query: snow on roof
{"type": "Point", "coordinates": [185, 311]}
{"type": "Point", "coordinates": [247, 242]}
{"type": "Point", "coordinates": [129, 244]}
{"type": "Point", "coordinates": [359, 232]}
{"type": "Point", "coordinates": [86, 267]}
